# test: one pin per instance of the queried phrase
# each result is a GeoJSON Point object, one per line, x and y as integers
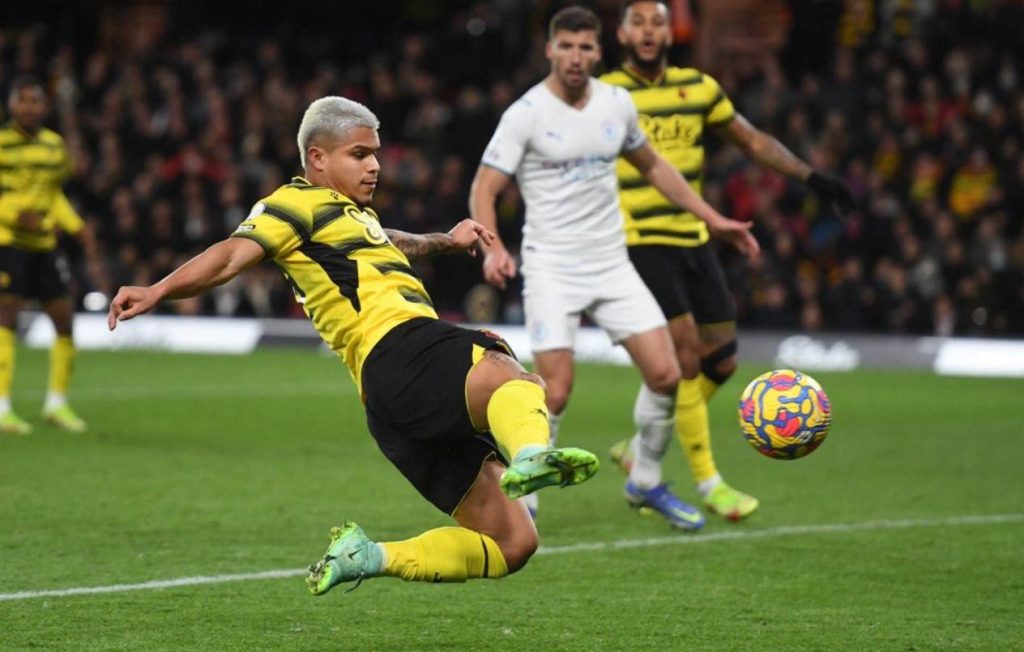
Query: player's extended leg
{"type": "Point", "coordinates": [652, 352]}
{"type": "Point", "coordinates": [10, 423]}
{"type": "Point", "coordinates": [56, 409]}
{"type": "Point", "coordinates": [496, 538]}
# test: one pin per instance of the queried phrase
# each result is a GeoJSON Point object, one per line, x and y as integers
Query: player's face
{"type": "Point", "coordinates": [28, 107]}
{"type": "Point", "coordinates": [350, 166]}
{"type": "Point", "coordinates": [573, 56]}
{"type": "Point", "coordinates": [645, 34]}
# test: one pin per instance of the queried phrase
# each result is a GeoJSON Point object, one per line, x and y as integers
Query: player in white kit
{"type": "Point", "coordinates": [561, 140]}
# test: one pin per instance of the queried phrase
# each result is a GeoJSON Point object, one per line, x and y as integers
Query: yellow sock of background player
{"type": "Point", "coordinates": [62, 357]}
{"type": "Point", "coordinates": [447, 554]}
{"type": "Point", "coordinates": [693, 429]}
{"type": "Point", "coordinates": [6, 366]}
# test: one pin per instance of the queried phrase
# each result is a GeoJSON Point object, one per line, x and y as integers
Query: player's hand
{"type": "Point", "coordinates": [30, 221]}
{"type": "Point", "coordinates": [467, 234]}
{"type": "Point", "coordinates": [833, 192]}
{"type": "Point", "coordinates": [131, 301]}
{"type": "Point", "coordinates": [499, 266]}
{"type": "Point", "coordinates": [737, 234]}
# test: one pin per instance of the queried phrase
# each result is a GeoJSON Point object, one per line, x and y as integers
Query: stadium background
{"type": "Point", "coordinates": [181, 115]}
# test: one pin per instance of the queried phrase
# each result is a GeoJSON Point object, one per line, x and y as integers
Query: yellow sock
{"type": "Point", "coordinates": [6, 361]}
{"type": "Point", "coordinates": [694, 430]}
{"type": "Point", "coordinates": [518, 417]}
{"type": "Point", "coordinates": [446, 554]}
{"type": "Point", "coordinates": [62, 357]}
{"type": "Point", "coordinates": [708, 387]}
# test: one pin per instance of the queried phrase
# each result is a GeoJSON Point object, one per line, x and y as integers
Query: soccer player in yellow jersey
{"type": "Point", "coordinates": [669, 248]}
{"type": "Point", "coordinates": [33, 209]}
{"type": "Point", "coordinates": [439, 399]}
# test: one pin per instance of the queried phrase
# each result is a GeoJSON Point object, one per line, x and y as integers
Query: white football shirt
{"type": "Point", "coordinates": [564, 160]}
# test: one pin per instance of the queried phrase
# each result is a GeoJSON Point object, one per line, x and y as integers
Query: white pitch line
{"type": "Point", "coordinates": [199, 391]}
{"type": "Point", "coordinates": [596, 546]}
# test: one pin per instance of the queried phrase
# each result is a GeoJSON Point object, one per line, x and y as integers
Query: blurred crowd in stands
{"type": "Point", "coordinates": [178, 132]}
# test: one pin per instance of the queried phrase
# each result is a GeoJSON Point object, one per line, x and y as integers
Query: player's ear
{"type": "Point", "coordinates": [621, 35]}
{"type": "Point", "coordinates": [548, 49]}
{"type": "Point", "coordinates": [315, 157]}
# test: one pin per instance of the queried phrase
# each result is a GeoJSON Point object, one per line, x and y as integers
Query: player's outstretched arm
{"type": "Point", "coordinates": [663, 176]}
{"type": "Point", "coordinates": [464, 236]}
{"type": "Point", "coordinates": [769, 152]}
{"type": "Point", "coordinates": [218, 264]}
{"type": "Point", "coordinates": [499, 265]}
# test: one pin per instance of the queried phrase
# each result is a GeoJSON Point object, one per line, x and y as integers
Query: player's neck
{"type": "Point", "coordinates": [575, 97]}
{"type": "Point", "coordinates": [652, 71]}
{"type": "Point", "coordinates": [31, 132]}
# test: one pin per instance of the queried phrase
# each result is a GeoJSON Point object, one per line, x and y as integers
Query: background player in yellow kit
{"type": "Point", "coordinates": [34, 163]}
{"type": "Point", "coordinates": [670, 250]}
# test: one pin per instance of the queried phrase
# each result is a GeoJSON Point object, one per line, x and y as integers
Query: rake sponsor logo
{"type": "Point", "coordinates": [594, 546]}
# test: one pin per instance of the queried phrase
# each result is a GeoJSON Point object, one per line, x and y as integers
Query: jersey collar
{"type": "Point", "coordinates": [640, 79]}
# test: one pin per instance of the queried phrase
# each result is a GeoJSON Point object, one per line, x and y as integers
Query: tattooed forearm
{"type": "Point", "coordinates": [418, 245]}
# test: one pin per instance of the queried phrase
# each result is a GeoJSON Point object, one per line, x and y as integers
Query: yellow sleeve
{"type": "Point", "coordinates": [276, 229]}
{"type": "Point", "coordinates": [720, 109]}
{"type": "Point", "coordinates": [65, 215]}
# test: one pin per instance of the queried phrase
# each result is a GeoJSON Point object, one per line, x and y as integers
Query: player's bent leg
{"type": "Point", "coordinates": [507, 400]}
{"type": "Point", "coordinates": [56, 409]}
{"type": "Point", "coordinates": [10, 423]}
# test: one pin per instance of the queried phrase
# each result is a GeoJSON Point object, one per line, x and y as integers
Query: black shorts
{"type": "Point", "coordinates": [686, 279]}
{"type": "Point", "coordinates": [414, 381]}
{"type": "Point", "coordinates": [42, 275]}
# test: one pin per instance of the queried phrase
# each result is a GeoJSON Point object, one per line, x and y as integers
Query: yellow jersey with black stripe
{"type": "Point", "coordinates": [354, 285]}
{"type": "Point", "coordinates": [33, 167]}
{"type": "Point", "coordinates": [674, 111]}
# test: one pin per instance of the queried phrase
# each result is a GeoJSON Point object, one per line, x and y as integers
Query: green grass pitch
{"type": "Point", "coordinates": [904, 531]}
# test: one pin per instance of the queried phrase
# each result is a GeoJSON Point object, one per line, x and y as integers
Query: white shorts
{"type": "Point", "coordinates": [615, 299]}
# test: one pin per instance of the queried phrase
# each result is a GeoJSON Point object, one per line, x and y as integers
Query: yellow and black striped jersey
{"type": "Point", "coordinates": [32, 170]}
{"type": "Point", "coordinates": [352, 282]}
{"type": "Point", "coordinates": [673, 112]}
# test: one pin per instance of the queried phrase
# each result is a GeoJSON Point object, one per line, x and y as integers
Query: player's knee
{"type": "Point", "coordinates": [557, 392]}
{"type": "Point", "coordinates": [663, 379]}
{"type": "Point", "coordinates": [689, 363]}
{"type": "Point", "coordinates": [518, 548]}
{"type": "Point", "coordinates": [535, 379]}
{"type": "Point", "coordinates": [720, 364]}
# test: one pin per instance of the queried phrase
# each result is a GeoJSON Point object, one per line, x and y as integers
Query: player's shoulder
{"type": "Point", "coordinates": [615, 93]}
{"type": "Point", "coordinates": [619, 77]}
{"type": "Point", "coordinates": [302, 202]}
{"type": "Point", "coordinates": [690, 77]}
{"type": "Point", "coordinates": [50, 137]}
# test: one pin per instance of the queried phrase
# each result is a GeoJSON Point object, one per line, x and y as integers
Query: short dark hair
{"type": "Point", "coordinates": [574, 19]}
{"type": "Point", "coordinates": [22, 82]}
{"type": "Point", "coordinates": [626, 4]}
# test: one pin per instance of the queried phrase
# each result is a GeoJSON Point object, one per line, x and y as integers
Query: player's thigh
{"type": "Point", "coordinates": [663, 270]}
{"type": "Point", "coordinates": [553, 304]}
{"type": "Point", "coordinates": [61, 312]}
{"type": "Point", "coordinates": [487, 510]}
{"type": "Point", "coordinates": [686, 341]}
{"type": "Point", "coordinates": [653, 354]}
{"type": "Point", "coordinates": [709, 291]}
{"type": "Point", "coordinates": [624, 306]}
{"type": "Point", "coordinates": [14, 274]}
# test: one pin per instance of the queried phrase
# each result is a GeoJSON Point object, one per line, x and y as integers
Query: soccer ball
{"type": "Point", "coordinates": [784, 414]}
